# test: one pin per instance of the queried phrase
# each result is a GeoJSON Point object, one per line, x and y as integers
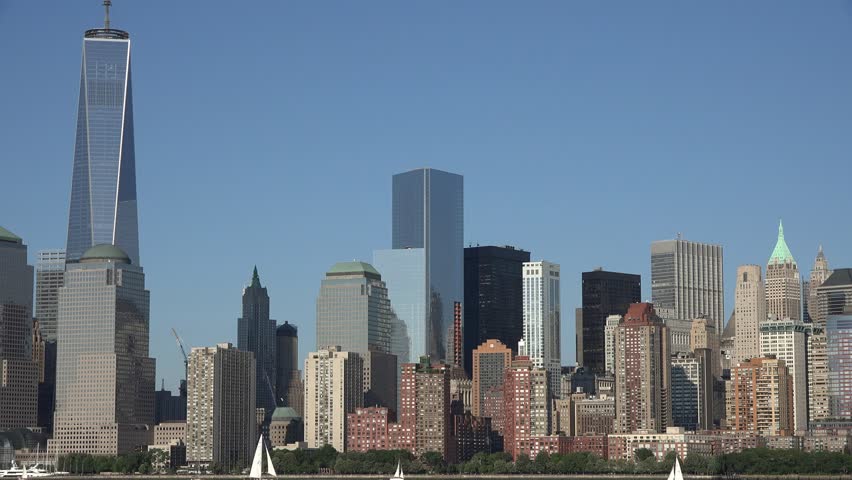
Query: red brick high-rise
{"type": "Point", "coordinates": [525, 406]}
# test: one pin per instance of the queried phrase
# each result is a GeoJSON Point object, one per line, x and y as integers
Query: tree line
{"type": "Point", "coordinates": [757, 461]}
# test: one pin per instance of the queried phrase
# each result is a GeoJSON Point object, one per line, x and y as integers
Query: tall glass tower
{"type": "Point", "coordinates": [428, 221]}
{"type": "Point", "coordinates": [103, 185]}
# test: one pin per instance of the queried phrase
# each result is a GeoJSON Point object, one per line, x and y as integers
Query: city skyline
{"type": "Point", "coordinates": [743, 242]}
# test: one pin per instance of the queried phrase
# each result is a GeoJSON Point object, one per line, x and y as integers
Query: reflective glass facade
{"type": "Point", "coordinates": [404, 273]}
{"type": "Point", "coordinates": [428, 214]}
{"type": "Point", "coordinates": [839, 334]}
{"type": "Point", "coordinates": [103, 186]}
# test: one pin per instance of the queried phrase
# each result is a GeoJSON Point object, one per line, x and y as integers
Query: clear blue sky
{"type": "Point", "coordinates": [267, 133]}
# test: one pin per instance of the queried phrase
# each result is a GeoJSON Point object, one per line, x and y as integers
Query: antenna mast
{"type": "Point", "coordinates": [107, 4]}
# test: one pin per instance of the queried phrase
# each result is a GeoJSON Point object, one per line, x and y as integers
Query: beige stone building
{"type": "Point", "coordinates": [783, 283]}
{"type": "Point", "coordinates": [221, 424]}
{"type": "Point", "coordinates": [167, 432]}
{"type": "Point", "coordinates": [703, 335]}
{"type": "Point", "coordinates": [749, 310]}
{"type": "Point", "coordinates": [104, 376]}
{"type": "Point", "coordinates": [333, 389]}
{"type": "Point", "coordinates": [786, 340]}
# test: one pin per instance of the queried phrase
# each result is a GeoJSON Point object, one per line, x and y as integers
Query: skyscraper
{"type": "Point", "coordinates": [785, 339]}
{"type": "Point", "coordinates": [490, 360]}
{"type": "Point", "coordinates": [424, 413]}
{"type": "Point", "coordinates": [749, 310]}
{"type": "Point", "coordinates": [688, 390]}
{"type": "Point", "coordinates": [642, 372]}
{"type": "Point", "coordinates": [50, 274]}
{"type": "Point", "coordinates": [18, 371]}
{"type": "Point", "coordinates": [687, 280]}
{"type": "Point", "coordinates": [256, 334]}
{"type": "Point", "coordinates": [819, 274]}
{"type": "Point", "coordinates": [604, 294]}
{"type": "Point", "coordinates": [103, 185]}
{"type": "Point", "coordinates": [542, 316]}
{"type": "Point", "coordinates": [612, 322]}
{"type": "Point", "coordinates": [839, 334]}
{"type": "Point", "coordinates": [833, 297]}
{"type": "Point", "coordinates": [221, 425]}
{"type": "Point", "coordinates": [424, 272]}
{"type": "Point", "coordinates": [493, 303]}
{"type": "Point", "coordinates": [286, 363]}
{"type": "Point", "coordinates": [104, 377]}
{"type": "Point", "coordinates": [353, 312]}
{"type": "Point", "coordinates": [526, 406]}
{"type": "Point", "coordinates": [332, 391]}
{"type": "Point", "coordinates": [783, 284]}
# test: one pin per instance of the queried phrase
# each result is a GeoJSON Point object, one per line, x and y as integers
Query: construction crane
{"type": "Point", "coordinates": [182, 351]}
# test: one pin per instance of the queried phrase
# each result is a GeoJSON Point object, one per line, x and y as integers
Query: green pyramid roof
{"type": "Point", "coordinates": [343, 268]}
{"type": "Point", "coordinates": [781, 253]}
{"type": "Point", "coordinates": [255, 278]}
{"type": "Point", "coordinates": [7, 236]}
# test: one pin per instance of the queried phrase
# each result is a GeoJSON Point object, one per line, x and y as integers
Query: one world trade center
{"type": "Point", "coordinates": [103, 185]}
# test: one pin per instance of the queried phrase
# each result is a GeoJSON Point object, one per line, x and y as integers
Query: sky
{"type": "Point", "coordinates": [267, 133]}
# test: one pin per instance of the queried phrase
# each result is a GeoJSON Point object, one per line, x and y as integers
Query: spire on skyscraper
{"type": "Point", "coordinates": [781, 253]}
{"type": "Point", "coordinates": [107, 4]}
{"type": "Point", "coordinates": [255, 278]}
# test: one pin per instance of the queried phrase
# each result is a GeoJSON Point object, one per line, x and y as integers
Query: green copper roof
{"type": "Point", "coordinates": [106, 251]}
{"type": "Point", "coordinates": [255, 279]}
{"type": "Point", "coordinates": [781, 254]}
{"type": "Point", "coordinates": [352, 268]}
{"type": "Point", "coordinates": [285, 413]}
{"type": "Point", "coordinates": [7, 236]}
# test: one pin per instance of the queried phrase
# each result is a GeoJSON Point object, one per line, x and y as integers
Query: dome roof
{"type": "Point", "coordinates": [106, 251]}
{"type": "Point", "coordinates": [287, 330]}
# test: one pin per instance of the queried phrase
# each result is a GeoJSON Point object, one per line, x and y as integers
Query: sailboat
{"type": "Point", "coordinates": [399, 475]}
{"type": "Point", "coordinates": [257, 464]}
{"type": "Point", "coordinates": [676, 474]}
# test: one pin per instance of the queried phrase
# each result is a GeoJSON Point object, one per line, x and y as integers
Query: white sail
{"type": "Point", "coordinates": [270, 469]}
{"type": "Point", "coordinates": [678, 475]}
{"type": "Point", "coordinates": [257, 462]}
{"type": "Point", "coordinates": [396, 475]}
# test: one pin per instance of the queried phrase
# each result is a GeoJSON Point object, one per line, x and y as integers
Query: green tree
{"type": "Point", "coordinates": [642, 454]}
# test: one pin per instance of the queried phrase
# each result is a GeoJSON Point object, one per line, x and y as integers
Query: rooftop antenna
{"type": "Point", "coordinates": [107, 4]}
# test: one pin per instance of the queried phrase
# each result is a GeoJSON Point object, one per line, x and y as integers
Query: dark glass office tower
{"type": "Point", "coordinates": [103, 185]}
{"type": "Point", "coordinates": [604, 294]}
{"type": "Point", "coordinates": [428, 214]}
{"type": "Point", "coordinates": [256, 333]}
{"type": "Point", "coordinates": [493, 298]}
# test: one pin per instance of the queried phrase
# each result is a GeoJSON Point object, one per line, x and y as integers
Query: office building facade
{"type": "Point", "coordinates": [759, 397]}
{"type": "Point", "coordinates": [103, 185]}
{"type": "Point", "coordinates": [50, 275]}
{"type": "Point", "coordinates": [424, 272]}
{"type": "Point", "coordinates": [104, 376]}
{"type": "Point", "coordinates": [783, 283]}
{"type": "Point", "coordinates": [604, 294]}
{"type": "Point", "coordinates": [687, 280]}
{"type": "Point", "coordinates": [542, 318]}
{"type": "Point", "coordinates": [819, 274]}
{"type": "Point", "coordinates": [19, 376]}
{"type": "Point", "coordinates": [493, 302]}
{"type": "Point", "coordinates": [750, 310]}
{"type": "Point", "coordinates": [286, 363]}
{"type": "Point", "coordinates": [839, 347]}
{"type": "Point", "coordinates": [786, 340]}
{"type": "Point", "coordinates": [256, 334]}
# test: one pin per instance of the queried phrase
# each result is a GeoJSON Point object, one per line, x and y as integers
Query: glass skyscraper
{"type": "Point", "coordinates": [103, 186]}
{"type": "Point", "coordinates": [428, 225]}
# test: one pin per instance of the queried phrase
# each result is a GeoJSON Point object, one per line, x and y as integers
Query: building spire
{"type": "Point", "coordinates": [255, 278]}
{"type": "Point", "coordinates": [781, 253]}
{"type": "Point", "coordinates": [107, 4]}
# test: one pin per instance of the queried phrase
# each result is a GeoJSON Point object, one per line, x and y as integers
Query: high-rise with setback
{"type": "Point", "coordinates": [104, 376]}
{"type": "Point", "coordinates": [749, 310]}
{"type": "Point", "coordinates": [604, 294]}
{"type": "Point", "coordinates": [687, 280]}
{"type": "Point", "coordinates": [18, 371]}
{"type": "Point", "coordinates": [103, 185]}
{"type": "Point", "coordinates": [783, 283]}
{"type": "Point", "coordinates": [256, 334]}
{"type": "Point", "coordinates": [50, 275]}
{"type": "Point", "coordinates": [424, 269]}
